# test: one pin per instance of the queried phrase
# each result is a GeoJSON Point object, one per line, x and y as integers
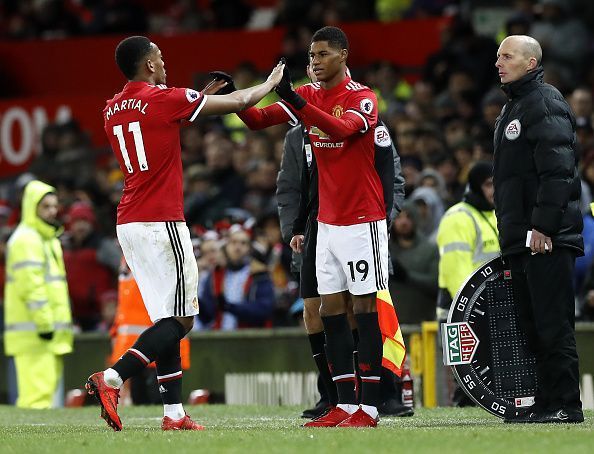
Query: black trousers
{"type": "Point", "coordinates": [543, 288]}
{"type": "Point", "coordinates": [308, 280]}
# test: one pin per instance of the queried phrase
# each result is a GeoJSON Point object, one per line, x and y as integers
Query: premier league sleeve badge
{"type": "Point", "coordinates": [485, 345]}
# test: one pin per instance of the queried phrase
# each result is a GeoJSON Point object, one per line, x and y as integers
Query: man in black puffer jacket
{"type": "Point", "coordinates": [537, 191]}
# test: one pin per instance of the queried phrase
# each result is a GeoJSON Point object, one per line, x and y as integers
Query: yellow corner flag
{"type": "Point", "coordinates": [394, 349]}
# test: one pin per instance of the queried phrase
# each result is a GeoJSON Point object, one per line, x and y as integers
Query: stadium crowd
{"type": "Point", "coordinates": [442, 123]}
{"type": "Point", "coordinates": [55, 19]}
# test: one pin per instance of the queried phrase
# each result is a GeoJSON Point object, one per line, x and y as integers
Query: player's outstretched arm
{"type": "Point", "coordinates": [242, 99]}
{"type": "Point", "coordinates": [337, 128]}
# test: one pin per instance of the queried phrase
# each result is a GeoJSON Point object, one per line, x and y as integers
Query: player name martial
{"type": "Point", "coordinates": [127, 104]}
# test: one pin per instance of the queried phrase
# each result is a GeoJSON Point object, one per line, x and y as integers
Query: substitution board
{"type": "Point", "coordinates": [485, 345]}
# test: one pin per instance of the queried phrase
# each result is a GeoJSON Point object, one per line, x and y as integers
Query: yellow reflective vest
{"type": "Point", "coordinates": [466, 238]}
{"type": "Point", "coordinates": [36, 292]}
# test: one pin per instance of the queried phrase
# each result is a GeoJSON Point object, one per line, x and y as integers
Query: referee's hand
{"type": "Point", "coordinates": [297, 244]}
{"type": "Point", "coordinates": [540, 243]}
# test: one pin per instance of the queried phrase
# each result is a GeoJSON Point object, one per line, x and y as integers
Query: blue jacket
{"type": "Point", "coordinates": [254, 311]}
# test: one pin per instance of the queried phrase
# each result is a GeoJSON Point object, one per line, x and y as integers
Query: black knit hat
{"type": "Point", "coordinates": [480, 171]}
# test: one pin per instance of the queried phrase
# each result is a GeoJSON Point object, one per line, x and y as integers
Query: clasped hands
{"type": "Point", "coordinates": [222, 84]}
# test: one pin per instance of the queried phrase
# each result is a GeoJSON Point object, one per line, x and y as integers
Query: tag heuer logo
{"type": "Point", "coordinates": [459, 343]}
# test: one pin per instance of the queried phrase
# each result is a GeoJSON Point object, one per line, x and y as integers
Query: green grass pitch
{"type": "Point", "coordinates": [251, 429]}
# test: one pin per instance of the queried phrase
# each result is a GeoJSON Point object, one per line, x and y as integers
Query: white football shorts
{"type": "Point", "coordinates": [352, 257]}
{"type": "Point", "coordinates": [161, 258]}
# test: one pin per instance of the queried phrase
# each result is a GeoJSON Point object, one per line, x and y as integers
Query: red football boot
{"type": "Point", "coordinates": [329, 419]}
{"type": "Point", "coordinates": [185, 423]}
{"type": "Point", "coordinates": [108, 399]}
{"type": "Point", "coordinates": [359, 419]}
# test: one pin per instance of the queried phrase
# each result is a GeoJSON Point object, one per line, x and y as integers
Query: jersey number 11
{"type": "Point", "coordinates": [134, 128]}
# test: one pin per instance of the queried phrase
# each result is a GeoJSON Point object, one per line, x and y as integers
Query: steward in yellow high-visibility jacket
{"type": "Point", "coordinates": [467, 236]}
{"type": "Point", "coordinates": [37, 315]}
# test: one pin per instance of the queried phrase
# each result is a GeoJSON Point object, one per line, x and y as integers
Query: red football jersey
{"type": "Point", "coordinates": [142, 124]}
{"type": "Point", "coordinates": [350, 190]}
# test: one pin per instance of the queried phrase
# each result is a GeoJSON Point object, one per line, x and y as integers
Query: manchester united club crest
{"type": "Point", "coordinates": [337, 111]}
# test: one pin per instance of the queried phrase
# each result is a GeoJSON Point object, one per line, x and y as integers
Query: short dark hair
{"type": "Point", "coordinates": [334, 35]}
{"type": "Point", "coordinates": [130, 53]}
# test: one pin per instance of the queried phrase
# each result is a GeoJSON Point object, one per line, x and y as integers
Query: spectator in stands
{"type": "Point", "coordinates": [430, 209]}
{"type": "Point", "coordinates": [415, 261]}
{"type": "Point", "coordinates": [92, 264]}
{"type": "Point", "coordinates": [210, 253]}
{"type": "Point", "coordinates": [389, 10]}
{"type": "Point", "coordinates": [491, 105]}
{"type": "Point", "coordinates": [391, 89]}
{"type": "Point", "coordinates": [261, 187]}
{"type": "Point", "coordinates": [116, 17]}
{"type": "Point", "coordinates": [209, 256]}
{"type": "Point", "coordinates": [294, 50]}
{"type": "Point", "coordinates": [192, 145]}
{"type": "Point", "coordinates": [581, 103]}
{"type": "Point", "coordinates": [239, 294]}
{"type": "Point", "coordinates": [66, 156]}
{"type": "Point", "coordinates": [184, 16]}
{"type": "Point", "coordinates": [204, 201]}
{"type": "Point", "coordinates": [447, 166]}
{"type": "Point", "coordinates": [564, 39]}
{"type": "Point", "coordinates": [407, 131]}
{"type": "Point", "coordinates": [429, 142]}
{"type": "Point", "coordinates": [463, 153]}
{"type": "Point", "coordinates": [230, 13]}
{"type": "Point", "coordinates": [431, 178]}
{"type": "Point", "coordinates": [411, 169]}
{"type": "Point", "coordinates": [269, 247]}
{"type": "Point", "coordinates": [218, 153]}
{"type": "Point", "coordinates": [55, 20]}
{"type": "Point", "coordinates": [518, 23]}
{"type": "Point", "coordinates": [462, 88]}
{"type": "Point", "coordinates": [420, 105]}
{"type": "Point", "coordinates": [462, 47]}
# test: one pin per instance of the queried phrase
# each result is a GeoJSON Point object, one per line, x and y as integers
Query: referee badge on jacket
{"type": "Point", "coordinates": [513, 129]}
